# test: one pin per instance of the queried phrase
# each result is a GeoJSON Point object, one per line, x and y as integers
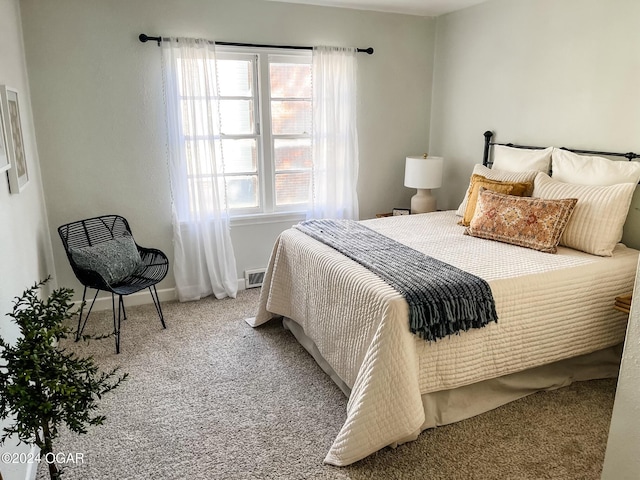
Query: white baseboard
{"type": "Point", "coordinates": [103, 302]}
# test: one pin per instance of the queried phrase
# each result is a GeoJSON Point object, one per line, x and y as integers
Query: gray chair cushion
{"type": "Point", "coordinates": [114, 259]}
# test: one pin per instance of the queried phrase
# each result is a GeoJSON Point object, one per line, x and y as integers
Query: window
{"type": "Point", "coordinates": [265, 139]}
{"type": "Point", "coordinates": [290, 105]}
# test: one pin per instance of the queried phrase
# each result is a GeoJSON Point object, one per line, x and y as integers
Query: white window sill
{"type": "Point", "coordinates": [258, 218]}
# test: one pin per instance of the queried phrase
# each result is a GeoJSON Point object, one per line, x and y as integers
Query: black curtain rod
{"type": "Point", "coordinates": [145, 38]}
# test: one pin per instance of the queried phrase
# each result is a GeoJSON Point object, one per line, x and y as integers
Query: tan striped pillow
{"type": "Point", "coordinates": [596, 224]}
{"type": "Point", "coordinates": [478, 182]}
{"type": "Point", "coordinates": [498, 175]}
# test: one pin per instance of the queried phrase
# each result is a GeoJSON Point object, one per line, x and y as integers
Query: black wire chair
{"type": "Point", "coordinates": [93, 231]}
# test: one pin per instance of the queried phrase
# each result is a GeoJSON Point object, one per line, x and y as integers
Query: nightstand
{"type": "Point", "coordinates": [623, 303]}
{"type": "Point", "coordinates": [394, 212]}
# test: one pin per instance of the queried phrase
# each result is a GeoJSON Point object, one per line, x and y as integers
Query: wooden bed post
{"type": "Point", "coordinates": [487, 143]}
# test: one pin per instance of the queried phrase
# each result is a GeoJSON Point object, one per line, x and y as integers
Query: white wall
{"type": "Point", "coordinates": [99, 114]}
{"type": "Point", "coordinates": [25, 247]}
{"type": "Point", "coordinates": [622, 461]}
{"type": "Point", "coordinates": [537, 72]}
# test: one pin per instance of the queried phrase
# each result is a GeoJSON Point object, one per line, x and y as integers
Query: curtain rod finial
{"type": "Point", "coordinates": [144, 38]}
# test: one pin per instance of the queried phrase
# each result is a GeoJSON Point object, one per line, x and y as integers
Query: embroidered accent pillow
{"type": "Point", "coordinates": [478, 182]}
{"type": "Point", "coordinates": [524, 221]}
{"type": "Point", "coordinates": [596, 225]}
{"type": "Point", "coordinates": [114, 259]}
{"type": "Point", "coordinates": [499, 175]}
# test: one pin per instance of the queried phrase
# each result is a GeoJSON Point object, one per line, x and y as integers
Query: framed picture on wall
{"type": "Point", "coordinates": [4, 154]}
{"type": "Point", "coordinates": [18, 173]}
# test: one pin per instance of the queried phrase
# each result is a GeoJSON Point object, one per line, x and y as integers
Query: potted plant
{"type": "Point", "coordinates": [42, 385]}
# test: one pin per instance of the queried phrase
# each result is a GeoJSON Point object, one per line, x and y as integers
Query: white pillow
{"type": "Point", "coordinates": [596, 223]}
{"type": "Point", "coordinates": [512, 159]}
{"type": "Point", "coordinates": [585, 170]}
{"type": "Point", "coordinates": [498, 175]}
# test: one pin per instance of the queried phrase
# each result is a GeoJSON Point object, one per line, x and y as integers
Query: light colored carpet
{"type": "Point", "coordinates": [212, 398]}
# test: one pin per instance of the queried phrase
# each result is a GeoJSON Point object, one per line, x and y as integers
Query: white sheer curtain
{"type": "Point", "coordinates": [204, 262]}
{"type": "Point", "coordinates": [335, 135]}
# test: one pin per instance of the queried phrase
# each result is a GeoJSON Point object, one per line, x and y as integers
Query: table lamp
{"type": "Point", "coordinates": [424, 173]}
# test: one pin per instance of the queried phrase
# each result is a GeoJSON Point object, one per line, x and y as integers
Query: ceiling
{"type": "Point", "coordinates": [426, 8]}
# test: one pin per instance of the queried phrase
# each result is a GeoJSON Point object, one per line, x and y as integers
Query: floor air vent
{"type": "Point", "coordinates": [253, 278]}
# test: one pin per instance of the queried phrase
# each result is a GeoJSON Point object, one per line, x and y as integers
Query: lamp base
{"type": "Point", "coordinates": [423, 201]}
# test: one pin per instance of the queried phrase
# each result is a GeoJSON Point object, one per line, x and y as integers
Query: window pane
{"type": "Point", "coordinates": [199, 117]}
{"type": "Point", "coordinates": [292, 188]}
{"type": "Point", "coordinates": [199, 156]}
{"type": "Point", "coordinates": [292, 153]}
{"type": "Point", "coordinates": [291, 117]}
{"type": "Point", "coordinates": [201, 78]}
{"type": "Point", "coordinates": [201, 194]}
{"type": "Point", "coordinates": [242, 191]}
{"type": "Point", "coordinates": [290, 80]}
{"type": "Point", "coordinates": [240, 156]}
{"type": "Point", "coordinates": [236, 78]}
{"type": "Point", "coordinates": [236, 117]}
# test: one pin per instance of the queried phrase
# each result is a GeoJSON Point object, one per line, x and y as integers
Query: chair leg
{"type": "Point", "coordinates": [84, 293]}
{"type": "Point", "coordinates": [116, 324]}
{"type": "Point", "coordinates": [124, 312]}
{"type": "Point", "coordinates": [81, 324]}
{"type": "Point", "coordinates": [156, 302]}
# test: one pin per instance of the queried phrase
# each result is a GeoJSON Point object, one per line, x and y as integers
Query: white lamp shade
{"type": "Point", "coordinates": [420, 172]}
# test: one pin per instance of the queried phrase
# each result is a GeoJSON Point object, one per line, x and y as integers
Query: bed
{"type": "Point", "coordinates": [556, 322]}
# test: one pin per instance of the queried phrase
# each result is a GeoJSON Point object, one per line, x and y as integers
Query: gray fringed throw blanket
{"type": "Point", "coordinates": [442, 298]}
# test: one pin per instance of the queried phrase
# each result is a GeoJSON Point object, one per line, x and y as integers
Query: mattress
{"type": "Point", "coordinates": [550, 307]}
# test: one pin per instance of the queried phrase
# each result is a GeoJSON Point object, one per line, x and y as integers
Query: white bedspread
{"type": "Point", "coordinates": [550, 307]}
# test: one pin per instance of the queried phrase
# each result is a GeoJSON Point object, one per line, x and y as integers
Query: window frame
{"type": "Point", "coordinates": [263, 131]}
{"type": "Point", "coordinates": [299, 59]}
{"type": "Point", "coordinates": [225, 54]}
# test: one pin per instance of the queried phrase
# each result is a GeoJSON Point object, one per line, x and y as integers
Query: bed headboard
{"type": "Point", "coordinates": [488, 135]}
{"type": "Point", "coordinates": [631, 235]}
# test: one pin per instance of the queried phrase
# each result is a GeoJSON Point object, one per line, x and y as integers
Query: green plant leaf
{"type": "Point", "coordinates": [43, 387]}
